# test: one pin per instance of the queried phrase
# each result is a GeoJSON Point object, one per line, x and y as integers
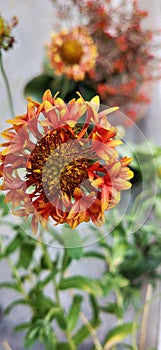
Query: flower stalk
{"type": "Point", "coordinates": [8, 89]}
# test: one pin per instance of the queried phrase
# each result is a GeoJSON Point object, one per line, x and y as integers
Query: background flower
{"type": "Point", "coordinates": [72, 53]}
{"type": "Point", "coordinates": [126, 63]}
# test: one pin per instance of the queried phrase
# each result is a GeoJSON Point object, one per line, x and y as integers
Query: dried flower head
{"type": "Point", "coordinates": [60, 162]}
{"type": "Point", "coordinates": [6, 39]}
{"type": "Point", "coordinates": [72, 53]}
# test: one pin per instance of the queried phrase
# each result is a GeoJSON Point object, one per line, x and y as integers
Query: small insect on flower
{"type": "Point", "coordinates": [72, 53]}
{"type": "Point", "coordinates": [60, 162]}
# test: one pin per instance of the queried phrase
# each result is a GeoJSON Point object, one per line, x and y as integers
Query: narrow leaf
{"type": "Point", "coordinates": [12, 246]}
{"type": "Point", "coordinates": [14, 303]}
{"type": "Point", "coordinates": [95, 307]}
{"type": "Point", "coordinates": [20, 327]}
{"type": "Point", "coordinates": [26, 254]}
{"type": "Point", "coordinates": [74, 312]}
{"type": "Point", "coordinates": [31, 336]}
{"type": "Point", "coordinates": [117, 334]}
{"type": "Point", "coordinates": [73, 243]}
{"type": "Point", "coordinates": [61, 320]}
{"type": "Point", "coordinates": [84, 332]}
{"type": "Point", "coordinates": [94, 254]}
{"type": "Point", "coordinates": [10, 285]}
{"type": "Point", "coordinates": [63, 346]}
{"type": "Point", "coordinates": [84, 283]}
{"type": "Point", "coordinates": [4, 207]}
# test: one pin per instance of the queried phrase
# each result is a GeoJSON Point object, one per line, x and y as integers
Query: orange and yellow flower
{"type": "Point", "coordinates": [60, 162]}
{"type": "Point", "coordinates": [72, 53]}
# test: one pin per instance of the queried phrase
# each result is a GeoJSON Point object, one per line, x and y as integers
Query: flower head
{"type": "Point", "coordinates": [60, 162]}
{"type": "Point", "coordinates": [72, 53]}
{"type": "Point", "coordinates": [6, 39]}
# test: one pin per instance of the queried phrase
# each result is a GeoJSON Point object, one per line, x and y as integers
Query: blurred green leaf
{"type": "Point", "coordinates": [32, 335]}
{"type": "Point", "coordinates": [41, 284]}
{"type": "Point", "coordinates": [66, 260]}
{"type": "Point", "coordinates": [94, 254]}
{"type": "Point", "coordinates": [113, 281]}
{"type": "Point", "coordinates": [95, 307]}
{"type": "Point", "coordinates": [61, 319]}
{"type": "Point", "coordinates": [4, 206]}
{"type": "Point", "coordinates": [10, 285]}
{"type": "Point", "coordinates": [84, 332]}
{"type": "Point", "coordinates": [49, 339]}
{"type": "Point", "coordinates": [114, 309]}
{"type": "Point", "coordinates": [87, 91]}
{"type": "Point", "coordinates": [73, 243]}
{"type": "Point", "coordinates": [22, 326]}
{"type": "Point", "coordinates": [40, 303]}
{"type": "Point", "coordinates": [15, 303]}
{"type": "Point", "coordinates": [26, 254]}
{"type": "Point", "coordinates": [74, 312]}
{"type": "Point", "coordinates": [84, 283]}
{"type": "Point", "coordinates": [63, 346]}
{"type": "Point", "coordinates": [13, 245]}
{"type": "Point", "coordinates": [117, 334]}
{"type": "Point", "coordinates": [36, 87]}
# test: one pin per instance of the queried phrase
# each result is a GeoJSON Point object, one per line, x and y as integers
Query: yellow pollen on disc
{"type": "Point", "coordinates": [54, 167]}
{"type": "Point", "coordinates": [71, 51]}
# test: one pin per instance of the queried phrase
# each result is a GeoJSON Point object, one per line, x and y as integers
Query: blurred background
{"type": "Point", "coordinates": [22, 63]}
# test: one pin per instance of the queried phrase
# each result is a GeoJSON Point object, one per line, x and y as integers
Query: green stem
{"type": "Point", "coordinates": [57, 297]}
{"type": "Point", "coordinates": [7, 86]}
{"type": "Point", "coordinates": [70, 341]}
{"type": "Point", "coordinates": [15, 272]}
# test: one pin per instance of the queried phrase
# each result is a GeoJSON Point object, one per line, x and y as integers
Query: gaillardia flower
{"type": "Point", "coordinates": [60, 162]}
{"type": "Point", "coordinates": [72, 53]}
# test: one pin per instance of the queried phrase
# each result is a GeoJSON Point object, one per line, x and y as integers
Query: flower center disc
{"type": "Point", "coordinates": [57, 164]}
{"type": "Point", "coordinates": [71, 51]}
{"type": "Point", "coordinates": [62, 174]}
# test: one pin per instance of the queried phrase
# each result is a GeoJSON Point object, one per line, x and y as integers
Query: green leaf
{"type": "Point", "coordinates": [40, 303]}
{"type": "Point", "coordinates": [36, 87]}
{"type": "Point", "coordinates": [94, 254]}
{"type": "Point", "coordinates": [117, 334]}
{"type": "Point", "coordinates": [47, 279]}
{"type": "Point", "coordinates": [4, 206]}
{"type": "Point", "coordinates": [20, 327]}
{"type": "Point", "coordinates": [32, 335]}
{"type": "Point", "coordinates": [95, 307]}
{"type": "Point", "coordinates": [56, 236]}
{"type": "Point", "coordinates": [113, 308]}
{"type": "Point", "coordinates": [87, 91]}
{"type": "Point", "coordinates": [49, 339]}
{"type": "Point", "coordinates": [110, 281]}
{"type": "Point", "coordinates": [61, 319]}
{"type": "Point", "coordinates": [73, 243]}
{"type": "Point", "coordinates": [26, 254]}
{"type": "Point", "coordinates": [66, 260]}
{"type": "Point", "coordinates": [118, 253]}
{"type": "Point", "coordinates": [84, 283]}
{"type": "Point", "coordinates": [63, 346]}
{"type": "Point", "coordinates": [10, 285]}
{"type": "Point", "coordinates": [74, 312]}
{"type": "Point", "coordinates": [14, 303]}
{"type": "Point", "coordinates": [13, 245]}
{"type": "Point", "coordinates": [84, 332]}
